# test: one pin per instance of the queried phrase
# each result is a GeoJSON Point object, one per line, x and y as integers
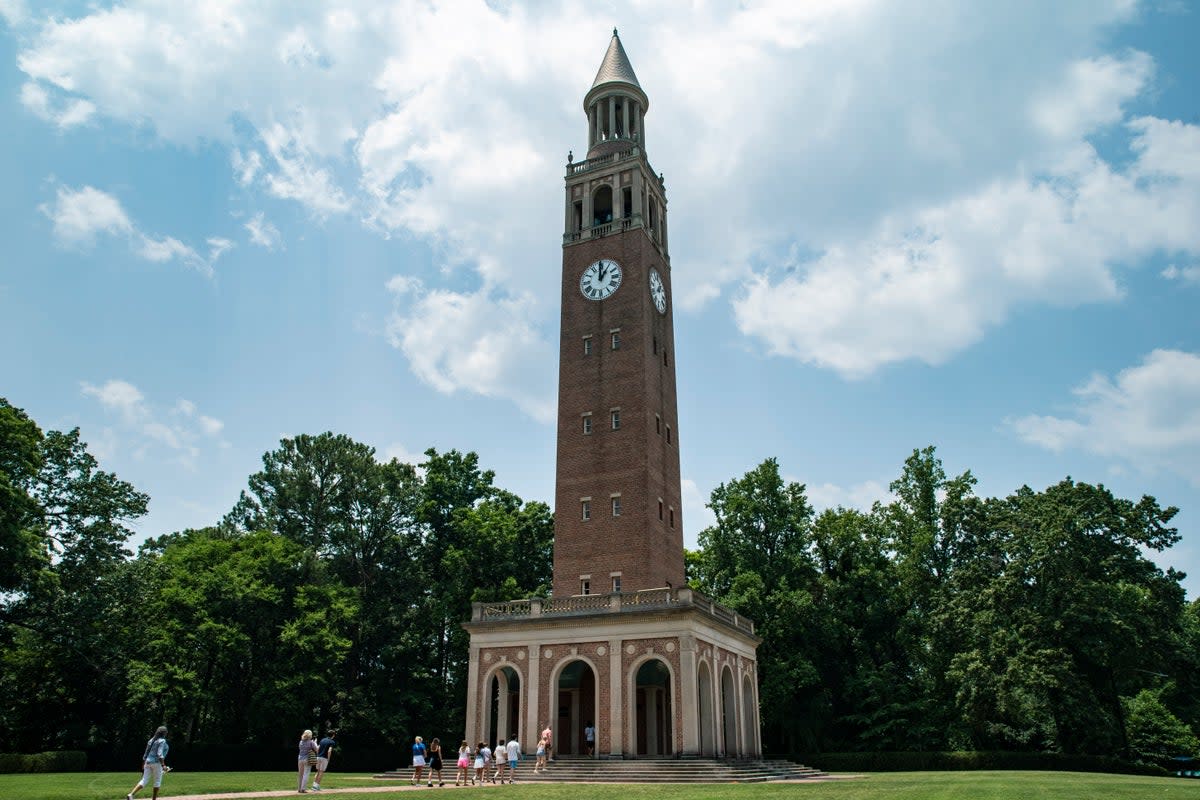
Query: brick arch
{"type": "Point", "coordinates": [631, 720]}
{"type": "Point", "coordinates": [485, 719]}
{"type": "Point", "coordinates": [600, 714]}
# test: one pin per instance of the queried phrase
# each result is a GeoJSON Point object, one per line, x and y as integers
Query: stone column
{"type": "Point", "coordinates": [616, 700]}
{"type": "Point", "coordinates": [689, 694]}
{"type": "Point", "coordinates": [612, 116]}
{"type": "Point", "coordinates": [625, 118]}
{"type": "Point", "coordinates": [501, 707]}
{"type": "Point", "coordinates": [533, 692]}
{"type": "Point", "coordinates": [473, 688]}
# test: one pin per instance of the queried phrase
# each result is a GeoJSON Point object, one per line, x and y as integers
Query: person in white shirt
{"type": "Point", "coordinates": [514, 755]}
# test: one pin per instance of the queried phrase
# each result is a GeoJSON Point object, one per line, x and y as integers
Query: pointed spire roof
{"type": "Point", "coordinates": [615, 68]}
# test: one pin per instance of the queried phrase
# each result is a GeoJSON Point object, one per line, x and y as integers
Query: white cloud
{"type": "Point", "coordinates": [120, 396]}
{"type": "Point", "coordinates": [1149, 417]}
{"type": "Point", "coordinates": [860, 496]}
{"type": "Point", "coordinates": [954, 173]}
{"type": "Point", "coordinates": [63, 112]}
{"type": "Point", "coordinates": [263, 233]}
{"type": "Point", "coordinates": [80, 215]}
{"type": "Point", "coordinates": [928, 284]}
{"type": "Point", "coordinates": [1183, 274]}
{"type": "Point", "coordinates": [1091, 94]}
{"type": "Point", "coordinates": [399, 452]}
{"type": "Point", "coordinates": [473, 341]}
{"type": "Point", "coordinates": [180, 431]}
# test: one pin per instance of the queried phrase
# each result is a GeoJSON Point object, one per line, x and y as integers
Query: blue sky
{"type": "Point", "coordinates": [893, 225]}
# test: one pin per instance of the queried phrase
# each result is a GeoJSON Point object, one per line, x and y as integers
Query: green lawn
{"type": "Point", "coordinates": [877, 786]}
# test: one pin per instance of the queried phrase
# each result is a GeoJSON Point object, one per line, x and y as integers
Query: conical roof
{"type": "Point", "coordinates": [615, 68]}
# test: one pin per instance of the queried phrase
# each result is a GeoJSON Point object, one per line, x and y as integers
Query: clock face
{"type": "Point", "coordinates": [600, 279]}
{"type": "Point", "coordinates": [658, 292]}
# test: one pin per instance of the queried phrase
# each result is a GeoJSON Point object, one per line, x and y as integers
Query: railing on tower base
{"type": "Point", "coordinates": [614, 603]}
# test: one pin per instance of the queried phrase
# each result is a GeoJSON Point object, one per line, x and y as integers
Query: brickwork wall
{"type": "Point", "coordinates": [635, 461]}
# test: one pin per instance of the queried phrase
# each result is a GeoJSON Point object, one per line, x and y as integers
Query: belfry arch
{"type": "Point", "coordinates": [502, 711]}
{"type": "Point", "coordinates": [653, 714]}
{"type": "Point", "coordinates": [729, 715]}
{"type": "Point", "coordinates": [575, 704]}
{"type": "Point", "coordinates": [704, 706]}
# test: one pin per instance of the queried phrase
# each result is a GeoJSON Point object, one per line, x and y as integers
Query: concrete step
{"type": "Point", "coordinates": [650, 770]}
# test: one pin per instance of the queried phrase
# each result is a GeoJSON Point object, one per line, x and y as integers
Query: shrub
{"type": "Point", "coordinates": [972, 760]}
{"type": "Point", "coordinates": [57, 761]}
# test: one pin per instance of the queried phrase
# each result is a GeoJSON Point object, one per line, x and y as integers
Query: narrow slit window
{"type": "Point", "coordinates": [587, 345]}
{"type": "Point", "coordinates": [616, 419]}
{"type": "Point", "coordinates": [616, 506]}
{"type": "Point", "coordinates": [586, 506]}
{"type": "Point", "coordinates": [616, 340]}
{"type": "Point", "coordinates": [585, 587]}
{"type": "Point", "coordinates": [587, 424]}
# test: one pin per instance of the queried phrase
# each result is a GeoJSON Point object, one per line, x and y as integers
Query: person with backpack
{"type": "Point", "coordinates": [306, 759]}
{"type": "Point", "coordinates": [154, 763]}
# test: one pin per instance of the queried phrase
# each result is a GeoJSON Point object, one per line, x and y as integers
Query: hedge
{"type": "Point", "coordinates": [58, 761]}
{"type": "Point", "coordinates": [972, 760]}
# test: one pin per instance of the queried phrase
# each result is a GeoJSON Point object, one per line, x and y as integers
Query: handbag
{"type": "Point", "coordinates": [312, 758]}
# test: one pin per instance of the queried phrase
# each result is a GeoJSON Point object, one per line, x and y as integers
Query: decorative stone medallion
{"type": "Point", "coordinates": [601, 650]}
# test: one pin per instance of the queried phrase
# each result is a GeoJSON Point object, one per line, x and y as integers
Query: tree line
{"type": "Point", "coordinates": [332, 594]}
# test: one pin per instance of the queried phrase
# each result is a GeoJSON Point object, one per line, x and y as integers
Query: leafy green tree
{"type": "Point", "coordinates": [1155, 734]}
{"type": "Point", "coordinates": [1062, 614]}
{"type": "Point", "coordinates": [757, 560]}
{"type": "Point", "coordinates": [64, 526]}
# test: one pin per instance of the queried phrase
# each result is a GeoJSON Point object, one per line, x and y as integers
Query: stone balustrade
{"type": "Point", "coordinates": [614, 603]}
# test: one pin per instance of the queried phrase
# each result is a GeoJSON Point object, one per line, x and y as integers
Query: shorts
{"type": "Point", "coordinates": [464, 762]}
{"type": "Point", "coordinates": [479, 763]}
{"type": "Point", "coordinates": [322, 764]}
{"type": "Point", "coordinates": [152, 772]}
{"type": "Point", "coordinates": [418, 761]}
{"type": "Point", "coordinates": [512, 763]}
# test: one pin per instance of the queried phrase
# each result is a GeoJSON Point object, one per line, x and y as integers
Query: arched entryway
{"type": "Point", "coordinates": [749, 726]}
{"type": "Point", "coordinates": [575, 692]}
{"type": "Point", "coordinates": [729, 718]}
{"type": "Point", "coordinates": [503, 706]}
{"type": "Point", "coordinates": [653, 715]}
{"type": "Point", "coordinates": [708, 732]}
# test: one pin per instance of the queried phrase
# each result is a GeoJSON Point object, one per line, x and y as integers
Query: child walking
{"type": "Point", "coordinates": [464, 763]}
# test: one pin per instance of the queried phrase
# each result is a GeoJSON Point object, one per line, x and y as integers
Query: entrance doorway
{"type": "Point", "coordinates": [654, 713]}
{"type": "Point", "coordinates": [504, 705]}
{"type": "Point", "coordinates": [729, 714]}
{"type": "Point", "coordinates": [708, 723]}
{"type": "Point", "coordinates": [576, 693]}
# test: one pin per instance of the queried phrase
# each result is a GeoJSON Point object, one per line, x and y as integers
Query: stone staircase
{"type": "Point", "coordinates": [568, 769]}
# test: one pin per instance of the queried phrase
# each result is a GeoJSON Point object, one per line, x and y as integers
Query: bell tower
{"type": "Point", "coordinates": [621, 646]}
{"type": "Point", "coordinates": [618, 524]}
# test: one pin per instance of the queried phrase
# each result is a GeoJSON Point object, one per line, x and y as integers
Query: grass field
{"type": "Point", "coordinates": [877, 786]}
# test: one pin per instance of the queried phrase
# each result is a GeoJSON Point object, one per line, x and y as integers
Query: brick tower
{"type": "Point", "coordinates": [621, 642]}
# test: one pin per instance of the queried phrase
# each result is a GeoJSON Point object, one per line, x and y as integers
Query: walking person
{"type": "Point", "coordinates": [589, 737]}
{"type": "Point", "coordinates": [418, 759]}
{"type": "Point", "coordinates": [549, 749]}
{"type": "Point", "coordinates": [306, 759]}
{"type": "Point", "coordinates": [540, 764]}
{"type": "Point", "coordinates": [513, 751]}
{"type": "Point", "coordinates": [435, 761]}
{"type": "Point", "coordinates": [154, 763]}
{"type": "Point", "coordinates": [479, 762]}
{"type": "Point", "coordinates": [500, 759]}
{"type": "Point", "coordinates": [464, 762]}
{"type": "Point", "coordinates": [324, 753]}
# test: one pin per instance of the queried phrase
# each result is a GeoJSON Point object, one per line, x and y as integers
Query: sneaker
{"type": "Point", "coordinates": [129, 796]}
{"type": "Point", "coordinates": [430, 784]}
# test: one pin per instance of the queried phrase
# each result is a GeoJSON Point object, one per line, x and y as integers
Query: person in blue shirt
{"type": "Point", "coordinates": [418, 759]}
{"type": "Point", "coordinates": [154, 763]}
